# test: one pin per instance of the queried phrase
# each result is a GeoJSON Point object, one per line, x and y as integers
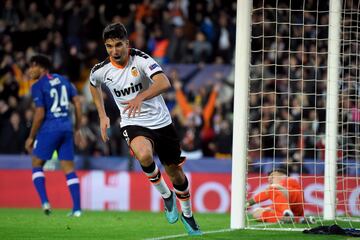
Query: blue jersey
{"type": "Point", "coordinates": [53, 92]}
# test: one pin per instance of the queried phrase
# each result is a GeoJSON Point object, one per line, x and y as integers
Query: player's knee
{"type": "Point", "coordinates": [144, 155]}
{"type": "Point", "coordinates": [36, 162]}
{"type": "Point", "coordinates": [67, 166]}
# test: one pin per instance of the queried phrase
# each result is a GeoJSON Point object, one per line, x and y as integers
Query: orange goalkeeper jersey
{"type": "Point", "coordinates": [296, 195]}
{"type": "Point", "coordinates": [292, 192]}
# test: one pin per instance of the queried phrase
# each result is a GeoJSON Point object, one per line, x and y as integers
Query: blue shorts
{"type": "Point", "coordinates": [46, 143]}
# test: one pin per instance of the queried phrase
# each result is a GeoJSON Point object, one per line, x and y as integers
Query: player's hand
{"type": "Point", "coordinates": [29, 143]}
{"type": "Point", "coordinates": [79, 138]}
{"type": "Point", "coordinates": [104, 125]}
{"type": "Point", "coordinates": [133, 106]}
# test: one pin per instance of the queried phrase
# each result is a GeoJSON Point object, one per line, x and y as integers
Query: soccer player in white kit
{"type": "Point", "coordinates": [136, 82]}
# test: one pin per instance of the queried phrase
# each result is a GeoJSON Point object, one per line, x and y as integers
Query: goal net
{"type": "Point", "coordinates": [294, 115]}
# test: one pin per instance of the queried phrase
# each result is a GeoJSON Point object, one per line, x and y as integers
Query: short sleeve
{"type": "Point", "coordinates": [150, 67]}
{"type": "Point", "coordinates": [37, 95]}
{"type": "Point", "coordinates": [94, 78]}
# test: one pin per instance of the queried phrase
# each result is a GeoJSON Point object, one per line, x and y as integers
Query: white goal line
{"type": "Point", "coordinates": [185, 235]}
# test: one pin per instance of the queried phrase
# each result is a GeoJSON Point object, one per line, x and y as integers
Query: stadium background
{"type": "Point", "coordinates": [194, 43]}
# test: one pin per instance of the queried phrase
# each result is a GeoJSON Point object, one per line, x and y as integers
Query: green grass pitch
{"type": "Point", "coordinates": [33, 224]}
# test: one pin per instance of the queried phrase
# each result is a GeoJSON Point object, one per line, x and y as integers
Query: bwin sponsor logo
{"type": "Point", "coordinates": [128, 90]}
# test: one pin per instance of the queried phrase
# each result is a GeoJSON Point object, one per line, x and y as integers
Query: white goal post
{"type": "Point", "coordinates": [297, 105]}
{"type": "Point", "coordinates": [332, 110]}
{"type": "Point", "coordinates": [242, 59]}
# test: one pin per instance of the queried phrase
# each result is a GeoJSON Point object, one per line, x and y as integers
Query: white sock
{"type": "Point", "coordinates": [158, 182]}
{"type": "Point", "coordinates": [185, 201]}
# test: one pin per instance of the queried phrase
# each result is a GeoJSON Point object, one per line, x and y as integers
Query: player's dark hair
{"type": "Point", "coordinates": [279, 170]}
{"type": "Point", "coordinates": [115, 30]}
{"type": "Point", "coordinates": [41, 60]}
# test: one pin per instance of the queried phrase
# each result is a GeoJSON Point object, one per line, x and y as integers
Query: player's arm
{"type": "Point", "coordinates": [37, 121]}
{"type": "Point", "coordinates": [258, 198]}
{"type": "Point", "coordinates": [250, 202]}
{"type": "Point", "coordinates": [77, 105]}
{"type": "Point", "coordinates": [160, 84]}
{"type": "Point", "coordinates": [99, 103]}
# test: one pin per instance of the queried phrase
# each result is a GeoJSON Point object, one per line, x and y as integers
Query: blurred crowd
{"type": "Point", "coordinates": [289, 83]}
{"type": "Point", "coordinates": [176, 31]}
{"type": "Point", "coordinates": [288, 71]}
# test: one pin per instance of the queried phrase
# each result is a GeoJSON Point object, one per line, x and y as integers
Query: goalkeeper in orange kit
{"type": "Point", "coordinates": [287, 199]}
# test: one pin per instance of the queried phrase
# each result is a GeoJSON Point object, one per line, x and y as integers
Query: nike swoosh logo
{"type": "Point", "coordinates": [109, 79]}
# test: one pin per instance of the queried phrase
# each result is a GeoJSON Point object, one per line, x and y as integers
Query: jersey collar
{"type": "Point", "coordinates": [115, 64]}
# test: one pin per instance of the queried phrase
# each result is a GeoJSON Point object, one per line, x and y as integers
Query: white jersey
{"type": "Point", "coordinates": [125, 83]}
